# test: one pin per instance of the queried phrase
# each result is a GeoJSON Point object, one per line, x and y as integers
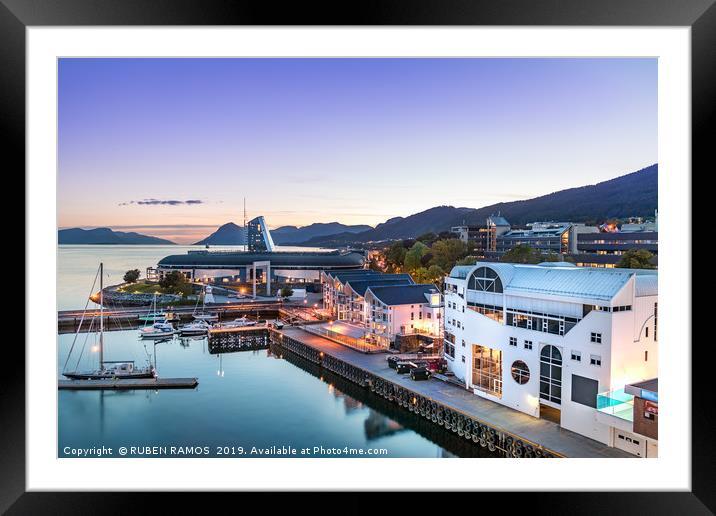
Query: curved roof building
{"type": "Point", "coordinates": [329, 260]}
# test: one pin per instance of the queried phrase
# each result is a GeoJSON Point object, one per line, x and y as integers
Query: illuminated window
{"type": "Point", "coordinates": [487, 369]}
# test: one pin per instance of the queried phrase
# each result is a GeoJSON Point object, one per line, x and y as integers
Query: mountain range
{"type": "Point", "coordinates": [233, 234]}
{"type": "Point", "coordinates": [634, 194]}
{"type": "Point", "coordinates": [106, 236]}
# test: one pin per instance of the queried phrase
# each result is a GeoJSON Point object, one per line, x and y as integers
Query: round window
{"type": "Point", "coordinates": [520, 372]}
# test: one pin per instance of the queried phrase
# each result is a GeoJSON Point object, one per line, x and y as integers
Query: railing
{"type": "Point", "coordinates": [616, 403]}
{"type": "Point", "coordinates": [359, 344]}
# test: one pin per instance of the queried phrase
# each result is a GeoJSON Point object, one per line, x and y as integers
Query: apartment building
{"type": "Point", "coordinates": [547, 339]}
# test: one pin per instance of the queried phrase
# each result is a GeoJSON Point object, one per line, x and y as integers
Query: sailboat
{"type": "Point", "coordinates": [203, 315]}
{"type": "Point", "coordinates": [107, 369]}
{"type": "Point", "coordinates": [158, 330]}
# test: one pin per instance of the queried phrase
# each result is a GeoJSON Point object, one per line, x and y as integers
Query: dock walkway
{"type": "Point", "coordinates": [128, 384]}
{"type": "Point", "coordinates": [549, 435]}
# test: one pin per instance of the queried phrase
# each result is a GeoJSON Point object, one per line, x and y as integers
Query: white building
{"type": "Point", "coordinates": [547, 339]}
{"type": "Point", "coordinates": [396, 311]}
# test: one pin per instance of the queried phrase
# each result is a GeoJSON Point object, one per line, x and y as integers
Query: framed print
{"type": "Point", "coordinates": [296, 251]}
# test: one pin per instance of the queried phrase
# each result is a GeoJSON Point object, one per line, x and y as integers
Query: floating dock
{"type": "Point", "coordinates": [472, 418]}
{"type": "Point", "coordinates": [128, 384]}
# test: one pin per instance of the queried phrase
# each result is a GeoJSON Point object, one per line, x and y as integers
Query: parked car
{"type": "Point", "coordinates": [419, 373]}
{"type": "Point", "coordinates": [393, 361]}
{"type": "Point", "coordinates": [403, 367]}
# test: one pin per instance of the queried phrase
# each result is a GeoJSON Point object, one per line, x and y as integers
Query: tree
{"type": "Point", "coordinates": [427, 238]}
{"type": "Point", "coordinates": [374, 264]}
{"type": "Point", "coordinates": [447, 252]}
{"type": "Point", "coordinates": [413, 256]}
{"type": "Point", "coordinates": [468, 260]}
{"type": "Point", "coordinates": [394, 257]}
{"type": "Point", "coordinates": [636, 259]}
{"type": "Point", "coordinates": [173, 280]}
{"type": "Point", "coordinates": [131, 276]}
{"type": "Point", "coordinates": [286, 292]}
{"type": "Point", "coordinates": [435, 273]}
{"type": "Point", "coordinates": [521, 254]}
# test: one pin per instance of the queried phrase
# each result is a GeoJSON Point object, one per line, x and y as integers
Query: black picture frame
{"type": "Point", "coordinates": [17, 15]}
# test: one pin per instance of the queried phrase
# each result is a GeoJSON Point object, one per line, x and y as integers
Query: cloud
{"type": "Point", "coordinates": [160, 202]}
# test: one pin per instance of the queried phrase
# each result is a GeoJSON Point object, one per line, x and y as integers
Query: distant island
{"type": "Point", "coordinates": [106, 236]}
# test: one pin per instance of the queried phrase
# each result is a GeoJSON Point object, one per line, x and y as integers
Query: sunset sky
{"type": "Point", "coordinates": [169, 147]}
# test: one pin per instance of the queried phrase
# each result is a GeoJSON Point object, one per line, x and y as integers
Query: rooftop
{"type": "Point", "coordinates": [359, 286]}
{"type": "Point", "coordinates": [578, 282]}
{"type": "Point", "coordinates": [403, 294]}
{"type": "Point", "coordinates": [228, 260]}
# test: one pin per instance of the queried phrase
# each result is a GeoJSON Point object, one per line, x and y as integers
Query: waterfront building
{"type": "Point", "coordinates": [391, 309]}
{"type": "Point", "coordinates": [546, 339]}
{"type": "Point", "coordinates": [397, 316]}
{"type": "Point", "coordinates": [606, 249]}
{"type": "Point", "coordinates": [262, 263]}
{"type": "Point", "coordinates": [259, 267]}
{"type": "Point", "coordinates": [632, 412]}
{"type": "Point", "coordinates": [258, 236]}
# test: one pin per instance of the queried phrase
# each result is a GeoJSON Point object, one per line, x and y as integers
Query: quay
{"type": "Point", "coordinates": [127, 318]}
{"type": "Point", "coordinates": [481, 421]}
{"type": "Point", "coordinates": [128, 384]}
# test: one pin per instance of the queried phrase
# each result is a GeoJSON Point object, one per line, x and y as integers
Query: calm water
{"type": "Point", "coordinates": [246, 399]}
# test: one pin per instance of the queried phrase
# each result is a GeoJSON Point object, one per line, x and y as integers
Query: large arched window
{"type": "Point", "coordinates": [550, 376]}
{"type": "Point", "coordinates": [485, 279]}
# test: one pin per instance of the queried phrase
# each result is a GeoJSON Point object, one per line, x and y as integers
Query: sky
{"type": "Point", "coordinates": [170, 147]}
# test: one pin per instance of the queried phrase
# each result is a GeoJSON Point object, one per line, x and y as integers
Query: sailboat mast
{"type": "Point", "coordinates": [101, 316]}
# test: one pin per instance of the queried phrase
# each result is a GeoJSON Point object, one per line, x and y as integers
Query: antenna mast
{"type": "Point", "coordinates": [101, 317]}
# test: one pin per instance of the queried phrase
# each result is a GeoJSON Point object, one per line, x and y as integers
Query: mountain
{"type": "Point", "coordinates": [228, 234]}
{"type": "Point", "coordinates": [287, 235]}
{"type": "Point", "coordinates": [634, 194]}
{"type": "Point", "coordinates": [106, 236]}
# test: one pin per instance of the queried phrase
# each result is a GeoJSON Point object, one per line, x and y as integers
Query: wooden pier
{"type": "Point", "coordinates": [124, 384]}
{"type": "Point", "coordinates": [477, 420]}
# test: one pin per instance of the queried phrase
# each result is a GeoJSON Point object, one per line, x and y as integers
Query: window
{"type": "Point", "coordinates": [412, 316]}
{"type": "Point", "coordinates": [576, 356]}
{"type": "Point", "coordinates": [463, 359]}
{"type": "Point", "coordinates": [655, 317]}
{"type": "Point", "coordinates": [597, 337]}
{"type": "Point", "coordinates": [646, 356]}
{"type": "Point", "coordinates": [520, 372]}
{"type": "Point", "coordinates": [646, 332]}
{"type": "Point", "coordinates": [595, 360]}
{"type": "Point", "coordinates": [485, 279]}
{"type": "Point", "coordinates": [528, 344]}
{"type": "Point", "coordinates": [584, 390]}
{"type": "Point", "coordinates": [449, 350]}
{"type": "Point", "coordinates": [463, 343]}
{"type": "Point", "coordinates": [513, 341]}
{"type": "Point", "coordinates": [487, 369]}
{"type": "Point", "coordinates": [550, 375]}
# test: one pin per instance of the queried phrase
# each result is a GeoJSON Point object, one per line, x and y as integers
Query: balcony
{"type": "Point", "coordinates": [616, 403]}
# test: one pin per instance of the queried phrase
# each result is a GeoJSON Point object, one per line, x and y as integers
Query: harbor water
{"type": "Point", "coordinates": [257, 403]}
